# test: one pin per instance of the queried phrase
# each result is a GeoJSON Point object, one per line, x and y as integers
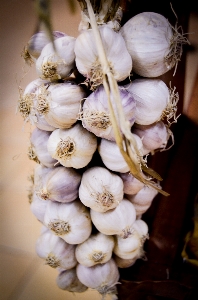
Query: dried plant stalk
{"type": "Point", "coordinates": [123, 136]}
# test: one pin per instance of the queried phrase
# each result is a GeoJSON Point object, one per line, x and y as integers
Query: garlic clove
{"type": "Point", "coordinates": [70, 221]}
{"type": "Point", "coordinates": [68, 280]}
{"type": "Point", "coordinates": [100, 189]}
{"type": "Point", "coordinates": [73, 147]}
{"type": "Point", "coordinates": [117, 221]}
{"type": "Point", "coordinates": [97, 249]}
{"type": "Point", "coordinates": [55, 251]}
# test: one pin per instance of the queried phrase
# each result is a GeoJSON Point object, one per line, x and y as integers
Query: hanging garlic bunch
{"type": "Point", "coordinates": [117, 221]}
{"type": "Point", "coordinates": [112, 157]}
{"type": "Point", "coordinates": [154, 45]}
{"type": "Point", "coordinates": [154, 100]}
{"type": "Point", "coordinates": [27, 105]}
{"type": "Point", "coordinates": [95, 114]}
{"type": "Point", "coordinates": [97, 249]}
{"type": "Point", "coordinates": [57, 184]}
{"type": "Point", "coordinates": [59, 103]}
{"type": "Point", "coordinates": [36, 43]}
{"type": "Point", "coordinates": [55, 251]}
{"type": "Point", "coordinates": [101, 277]}
{"type": "Point", "coordinates": [73, 147]}
{"type": "Point", "coordinates": [37, 151]}
{"type": "Point", "coordinates": [70, 221]}
{"type": "Point", "coordinates": [154, 137]}
{"type": "Point", "coordinates": [100, 189]}
{"type": "Point", "coordinates": [87, 59]}
{"type": "Point", "coordinates": [131, 184]}
{"type": "Point", "coordinates": [68, 280]}
{"type": "Point", "coordinates": [57, 59]}
{"type": "Point", "coordinates": [143, 199]}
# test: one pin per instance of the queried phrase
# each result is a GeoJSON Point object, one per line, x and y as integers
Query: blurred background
{"type": "Point", "coordinates": [23, 275]}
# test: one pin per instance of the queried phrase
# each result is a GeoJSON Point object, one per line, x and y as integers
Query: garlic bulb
{"type": "Point", "coordinates": [37, 150]}
{"type": "Point", "coordinates": [39, 40]}
{"type": "Point", "coordinates": [100, 189]}
{"type": "Point", "coordinates": [141, 228]}
{"type": "Point", "coordinates": [131, 184]}
{"type": "Point", "coordinates": [55, 251]}
{"type": "Point", "coordinates": [87, 59]}
{"type": "Point", "coordinates": [152, 97]}
{"type": "Point", "coordinates": [143, 199]}
{"type": "Point", "coordinates": [101, 277]}
{"type": "Point", "coordinates": [57, 59]}
{"type": "Point", "coordinates": [154, 45]}
{"type": "Point", "coordinates": [58, 184]}
{"type": "Point", "coordinates": [97, 249]}
{"type": "Point", "coordinates": [70, 221]}
{"type": "Point", "coordinates": [117, 221]}
{"type": "Point", "coordinates": [27, 105]}
{"type": "Point", "coordinates": [38, 207]}
{"type": "Point", "coordinates": [95, 115]}
{"type": "Point", "coordinates": [112, 157]}
{"type": "Point", "coordinates": [60, 103]}
{"type": "Point", "coordinates": [154, 136]}
{"type": "Point", "coordinates": [73, 147]}
{"type": "Point", "coordinates": [68, 280]}
{"type": "Point", "coordinates": [123, 262]}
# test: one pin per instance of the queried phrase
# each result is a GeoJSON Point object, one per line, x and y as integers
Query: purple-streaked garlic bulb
{"type": "Point", "coordinates": [95, 114]}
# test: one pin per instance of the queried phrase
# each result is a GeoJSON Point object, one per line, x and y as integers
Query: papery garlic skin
{"type": "Point", "coordinates": [57, 61]}
{"type": "Point", "coordinates": [111, 156]}
{"type": "Point", "coordinates": [38, 207]}
{"type": "Point", "coordinates": [39, 40]}
{"type": "Point", "coordinates": [102, 278]}
{"type": "Point", "coordinates": [27, 105]}
{"type": "Point", "coordinates": [131, 184]}
{"type": "Point", "coordinates": [60, 103]}
{"type": "Point", "coordinates": [37, 150]}
{"type": "Point", "coordinates": [95, 114]}
{"type": "Point", "coordinates": [70, 221]}
{"type": "Point", "coordinates": [148, 37]}
{"type": "Point", "coordinates": [152, 97]}
{"type": "Point", "coordinates": [55, 251]}
{"type": "Point", "coordinates": [100, 189]}
{"type": "Point", "coordinates": [68, 280]}
{"type": "Point", "coordinates": [154, 136]}
{"type": "Point", "coordinates": [73, 147]}
{"type": "Point", "coordinates": [117, 221]}
{"type": "Point", "coordinates": [97, 249]}
{"type": "Point", "coordinates": [87, 58]}
{"type": "Point", "coordinates": [58, 184]}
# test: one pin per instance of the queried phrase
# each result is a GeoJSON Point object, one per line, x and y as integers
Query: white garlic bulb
{"type": "Point", "coordinates": [70, 221]}
{"type": "Point", "coordinates": [95, 115]}
{"type": "Point", "coordinates": [154, 136]}
{"type": "Point", "coordinates": [87, 58]}
{"type": "Point", "coordinates": [68, 280]}
{"type": "Point", "coordinates": [38, 207]}
{"type": "Point", "coordinates": [101, 277]}
{"type": "Point", "coordinates": [27, 105]}
{"type": "Point", "coordinates": [117, 221]}
{"type": "Point", "coordinates": [152, 97]}
{"type": "Point", "coordinates": [112, 157]}
{"type": "Point", "coordinates": [100, 189]}
{"type": "Point", "coordinates": [39, 40]}
{"type": "Point", "coordinates": [154, 45]}
{"type": "Point", "coordinates": [73, 147]}
{"type": "Point", "coordinates": [97, 249]}
{"type": "Point", "coordinates": [131, 184]}
{"type": "Point", "coordinates": [141, 228]}
{"type": "Point", "coordinates": [58, 184]}
{"type": "Point", "coordinates": [37, 151]}
{"type": "Point", "coordinates": [55, 251]}
{"type": "Point", "coordinates": [57, 59]}
{"type": "Point", "coordinates": [60, 103]}
{"type": "Point", "coordinates": [143, 199]}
